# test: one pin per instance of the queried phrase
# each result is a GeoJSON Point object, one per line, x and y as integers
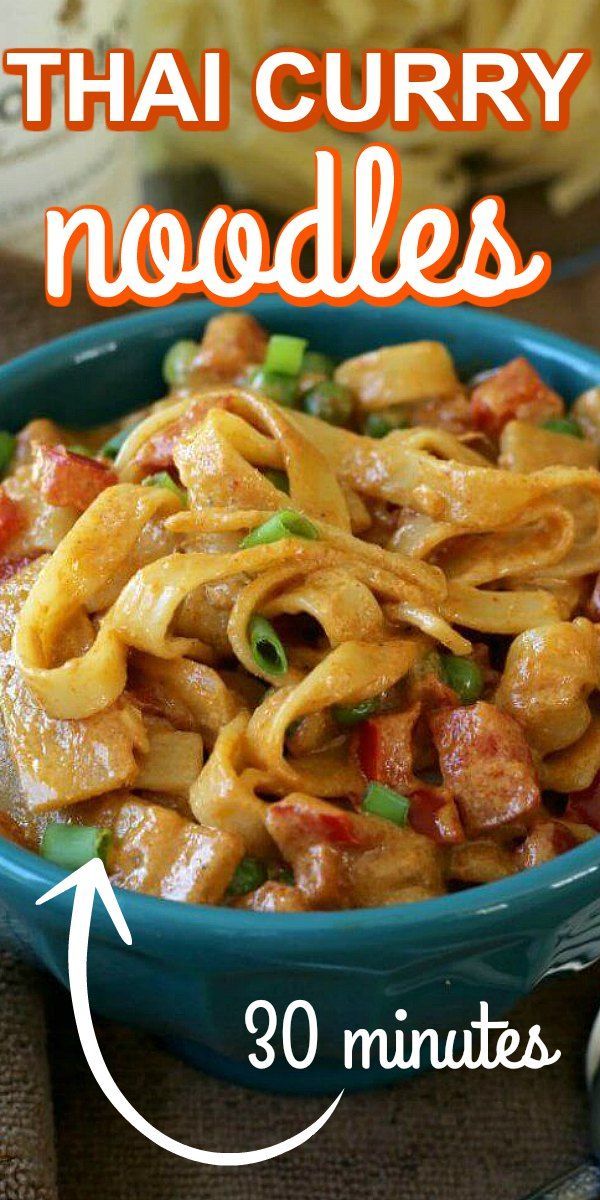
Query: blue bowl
{"type": "Point", "coordinates": [192, 972]}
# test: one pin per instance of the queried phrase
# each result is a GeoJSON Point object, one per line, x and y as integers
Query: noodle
{"type": "Point", "coordinates": [311, 650]}
{"type": "Point", "coordinates": [276, 170]}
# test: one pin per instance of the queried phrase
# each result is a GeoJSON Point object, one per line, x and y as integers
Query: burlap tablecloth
{"type": "Point", "coordinates": [469, 1135]}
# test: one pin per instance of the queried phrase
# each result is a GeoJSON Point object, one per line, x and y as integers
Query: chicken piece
{"type": "Point", "coordinates": [479, 862]}
{"type": "Point", "coordinates": [399, 374]}
{"type": "Point", "coordinates": [402, 866]}
{"type": "Point", "coordinates": [160, 853]}
{"type": "Point", "coordinates": [449, 412]}
{"type": "Point", "coordinates": [359, 859]}
{"type": "Point", "coordinates": [40, 431]}
{"type": "Point", "coordinates": [574, 768]}
{"type": "Point", "coordinates": [322, 877]}
{"type": "Point", "coordinates": [513, 392]}
{"type": "Point", "coordinates": [172, 762]}
{"type": "Point", "coordinates": [60, 762]}
{"type": "Point", "coordinates": [486, 764]}
{"type": "Point", "coordinates": [273, 897]}
{"type": "Point", "coordinates": [547, 679]}
{"type": "Point", "coordinates": [231, 342]}
{"type": "Point", "coordinates": [42, 526]}
{"type": "Point", "coordinates": [525, 447]}
{"type": "Point", "coordinates": [584, 806]}
{"type": "Point", "coordinates": [11, 831]}
{"type": "Point", "coordinates": [544, 842]}
{"type": "Point", "coordinates": [586, 411]}
{"type": "Point", "coordinates": [188, 694]}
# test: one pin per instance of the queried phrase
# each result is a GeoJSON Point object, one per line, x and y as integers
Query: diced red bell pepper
{"type": "Point", "coordinates": [11, 518]}
{"type": "Point", "coordinates": [584, 807]}
{"type": "Point", "coordinates": [318, 826]}
{"type": "Point", "coordinates": [12, 566]}
{"type": "Point", "coordinates": [545, 840]}
{"type": "Point", "coordinates": [433, 813]}
{"type": "Point", "coordinates": [514, 392]}
{"type": "Point", "coordinates": [486, 765]}
{"type": "Point", "coordinates": [69, 480]}
{"type": "Point", "coordinates": [384, 746]}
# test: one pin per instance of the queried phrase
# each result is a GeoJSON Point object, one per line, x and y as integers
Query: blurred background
{"type": "Point", "coordinates": [551, 180]}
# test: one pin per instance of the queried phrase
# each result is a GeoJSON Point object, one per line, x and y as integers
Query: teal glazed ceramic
{"type": "Point", "coordinates": [191, 972]}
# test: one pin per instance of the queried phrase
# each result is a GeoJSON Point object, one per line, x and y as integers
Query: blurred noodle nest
{"type": "Point", "coordinates": [275, 169]}
{"type": "Point", "coordinates": [306, 634]}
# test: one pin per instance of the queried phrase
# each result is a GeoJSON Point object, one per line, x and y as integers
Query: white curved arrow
{"type": "Point", "coordinates": [86, 881]}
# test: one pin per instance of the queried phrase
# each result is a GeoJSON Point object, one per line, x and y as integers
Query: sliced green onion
{"type": "Point", "coordinates": [163, 479]}
{"type": "Point", "coordinates": [286, 523]}
{"type": "Point", "coordinates": [315, 363]}
{"type": "Point", "coordinates": [566, 425]}
{"type": "Point", "coordinates": [111, 448]}
{"type": "Point", "coordinates": [282, 389]}
{"type": "Point", "coordinates": [82, 450]}
{"type": "Point", "coordinates": [352, 714]}
{"type": "Point", "coordinates": [279, 480]}
{"type": "Point", "coordinates": [178, 360]}
{"type": "Point", "coordinates": [329, 401]}
{"type": "Point", "coordinates": [267, 650]}
{"type": "Point", "coordinates": [70, 846]}
{"type": "Point", "coordinates": [285, 354]}
{"type": "Point", "coordinates": [381, 801]}
{"type": "Point", "coordinates": [378, 424]}
{"type": "Point", "coordinates": [464, 676]}
{"type": "Point", "coordinates": [248, 875]}
{"type": "Point", "coordinates": [8, 443]}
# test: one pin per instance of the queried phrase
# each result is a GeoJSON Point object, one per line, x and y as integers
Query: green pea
{"type": "Point", "coordinates": [315, 363]}
{"type": "Point", "coordinates": [566, 425]}
{"type": "Point", "coordinates": [464, 676]}
{"type": "Point", "coordinates": [329, 401]}
{"type": "Point", "coordinates": [353, 714]}
{"type": "Point", "coordinates": [177, 362]}
{"type": "Point", "coordinates": [248, 875]}
{"type": "Point", "coordinates": [378, 424]}
{"type": "Point", "coordinates": [282, 389]}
